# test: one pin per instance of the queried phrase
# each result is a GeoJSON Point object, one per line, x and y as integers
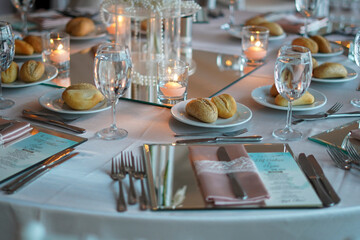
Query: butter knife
{"type": "Point", "coordinates": [54, 122]}
{"type": "Point", "coordinates": [39, 173]}
{"type": "Point", "coordinates": [330, 190]}
{"type": "Point", "coordinates": [315, 180]}
{"type": "Point", "coordinates": [238, 191]}
{"type": "Point", "coordinates": [254, 138]}
{"type": "Point", "coordinates": [323, 116]}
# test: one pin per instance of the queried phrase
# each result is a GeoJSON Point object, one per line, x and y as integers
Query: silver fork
{"type": "Point", "coordinates": [129, 168]}
{"type": "Point", "coordinates": [139, 173]}
{"type": "Point", "coordinates": [354, 155]}
{"type": "Point", "coordinates": [118, 174]}
{"type": "Point", "coordinates": [333, 109]}
{"type": "Point", "coordinates": [340, 159]}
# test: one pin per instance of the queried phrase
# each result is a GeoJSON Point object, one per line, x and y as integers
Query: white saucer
{"type": "Point", "coordinates": [352, 74]}
{"type": "Point", "coordinates": [242, 115]}
{"type": "Point", "coordinates": [53, 101]}
{"type": "Point", "coordinates": [262, 96]}
{"type": "Point", "coordinates": [49, 74]}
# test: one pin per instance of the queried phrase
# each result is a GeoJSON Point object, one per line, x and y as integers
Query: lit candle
{"type": "Point", "coordinates": [173, 89]}
{"type": "Point", "coordinates": [116, 25]}
{"type": "Point", "coordinates": [255, 52]}
{"type": "Point", "coordinates": [59, 55]}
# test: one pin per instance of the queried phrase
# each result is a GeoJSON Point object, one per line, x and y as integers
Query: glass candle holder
{"type": "Point", "coordinates": [172, 81]}
{"type": "Point", "coordinates": [254, 44]}
{"type": "Point", "coordinates": [57, 50]}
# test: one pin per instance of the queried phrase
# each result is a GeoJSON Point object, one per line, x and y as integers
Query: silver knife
{"type": "Point", "coordinates": [50, 160]}
{"type": "Point", "coordinates": [323, 179]}
{"type": "Point", "coordinates": [315, 180]}
{"type": "Point", "coordinates": [54, 122]}
{"type": "Point", "coordinates": [39, 173]}
{"type": "Point", "coordinates": [235, 185]}
{"type": "Point", "coordinates": [323, 116]}
{"type": "Point", "coordinates": [254, 138]}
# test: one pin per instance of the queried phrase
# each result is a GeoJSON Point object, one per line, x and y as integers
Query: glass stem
{"type": "Point", "coordinates": [306, 27]}
{"type": "Point", "coordinates": [113, 125]}
{"type": "Point", "coordinates": [24, 22]}
{"type": "Point", "coordinates": [231, 10]}
{"type": "Point", "coordinates": [288, 116]}
{"type": "Point", "coordinates": [1, 96]}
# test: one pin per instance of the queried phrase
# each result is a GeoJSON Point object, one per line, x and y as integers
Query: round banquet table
{"type": "Point", "coordinates": [77, 199]}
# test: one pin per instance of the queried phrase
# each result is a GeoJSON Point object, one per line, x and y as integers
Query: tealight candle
{"type": "Point", "coordinates": [255, 53]}
{"type": "Point", "coordinates": [254, 44]}
{"type": "Point", "coordinates": [172, 89]}
{"type": "Point", "coordinates": [59, 55]}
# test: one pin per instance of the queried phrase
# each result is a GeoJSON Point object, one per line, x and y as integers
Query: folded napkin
{"type": "Point", "coordinates": [16, 130]}
{"type": "Point", "coordinates": [215, 184]}
{"type": "Point", "coordinates": [49, 19]}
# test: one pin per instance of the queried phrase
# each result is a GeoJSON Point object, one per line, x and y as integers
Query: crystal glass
{"type": "Point", "coordinates": [356, 101]}
{"type": "Point", "coordinates": [112, 70]}
{"type": "Point", "coordinates": [307, 8]}
{"type": "Point", "coordinates": [292, 78]}
{"type": "Point", "coordinates": [7, 51]}
{"type": "Point", "coordinates": [23, 6]}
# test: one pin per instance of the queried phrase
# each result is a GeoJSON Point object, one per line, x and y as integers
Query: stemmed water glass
{"type": "Point", "coordinates": [112, 70]}
{"type": "Point", "coordinates": [7, 51]}
{"type": "Point", "coordinates": [356, 101]}
{"type": "Point", "coordinates": [292, 78]}
{"type": "Point", "coordinates": [306, 8]}
{"type": "Point", "coordinates": [23, 6]}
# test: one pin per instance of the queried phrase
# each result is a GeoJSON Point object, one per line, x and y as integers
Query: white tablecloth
{"type": "Point", "coordinates": [78, 198]}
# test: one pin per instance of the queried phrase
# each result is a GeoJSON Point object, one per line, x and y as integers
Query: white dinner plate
{"type": "Point", "coordinates": [352, 74]}
{"type": "Point", "coordinates": [235, 31]}
{"type": "Point", "coordinates": [336, 51]}
{"type": "Point", "coordinates": [49, 74]}
{"type": "Point", "coordinates": [262, 96]}
{"type": "Point", "coordinates": [99, 32]}
{"type": "Point", "coordinates": [27, 57]}
{"type": "Point", "coordinates": [53, 101]}
{"type": "Point", "coordinates": [242, 115]}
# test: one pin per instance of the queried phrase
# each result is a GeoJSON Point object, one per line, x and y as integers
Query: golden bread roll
{"type": "Point", "coordinates": [32, 71]}
{"type": "Point", "coordinates": [306, 42]}
{"type": "Point", "coordinates": [35, 42]}
{"type": "Point", "coordinates": [323, 44]}
{"type": "Point", "coordinates": [10, 74]}
{"type": "Point", "coordinates": [202, 109]}
{"type": "Point", "coordinates": [255, 21]}
{"type": "Point", "coordinates": [23, 48]}
{"type": "Point", "coordinates": [305, 99]}
{"type": "Point", "coordinates": [80, 26]}
{"type": "Point", "coordinates": [82, 96]}
{"type": "Point", "coordinates": [330, 70]}
{"type": "Point", "coordinates": [314, 62]}
{"type": "Point", "coordinates": [225, 104]}
{"type": "Point", "coordinates": [273, 91]}
{"type": "Point", "coordinates": [274, 28]}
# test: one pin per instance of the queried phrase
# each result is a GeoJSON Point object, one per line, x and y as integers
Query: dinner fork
{"type": "Point", "coordinates": [139, 173]}
{"type": "Point", "coordinates": [354, 155]}
{"type": "Point", "coordinates": [340, 159]}
{"type": "Point", "coordinates": [118, 174]}
{"type": "Point", "coordinates": [129, 169]}
{"type": "Point", "coordinates": [333, 109]}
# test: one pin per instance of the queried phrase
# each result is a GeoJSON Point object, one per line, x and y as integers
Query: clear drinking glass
{"type": "Point", "coordinates": [356, 101]}
{"type": "Point", "coordinates": [307, 8]}
{"type": "Point", "coordinates": [23, 6]}
{"type": "Point", "coordinates": [7, 51]}
{"type": "Point", "coordinates": [112, 70]}
{"type": "Point", "coordinates": [292, 78]}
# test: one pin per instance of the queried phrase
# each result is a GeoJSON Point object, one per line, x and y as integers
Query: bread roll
{"type": "Point", "coordinates": [314, 62]}
{"type": "Point", "coordinates": [323, 44]}
{"type": "Point", "coordinates": [305, 99]}
{"type": "Point", "coordinates": [225, 104]}
{"type": "Point", "coordinates": [35, 42]}
{"type": "Point", "coordinates": [23, 48]}
{"type": "Point", "coordinates": [80, 26]}
{"type": "Point", "coordinates": [274, 28]}
{"type": "Point", "coordinates": [82, 96]}
{"type": "Point", "coordinates": [255, 21]}
{"type": "Point", "coordinates": [32, 71]}
{"type": "Point", "coordinates": [330, 70]}
{"type": "Point", "coordinates": [10, 74]}
{"type": "Point", "coordinates": [273, 91]}
{"type": "Point", "coordinates": [202, 109]}
{"type": "Point", "coordinates": [306, 42]}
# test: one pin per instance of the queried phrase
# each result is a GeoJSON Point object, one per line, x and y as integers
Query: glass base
{"type": "Point", "coordinates": [355, 102]}
{"type": "Point", "coordinates": [111, 133]}
{"type": "Point", "coordinates": [287, 134]}
{"type": "Point", "coordinates": [6, 103]}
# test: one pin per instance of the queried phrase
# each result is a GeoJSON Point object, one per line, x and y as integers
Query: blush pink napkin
{"type": "Point", "coordinates": [16, 130]}
{"type": "Point", "coordinates": [215, 183]}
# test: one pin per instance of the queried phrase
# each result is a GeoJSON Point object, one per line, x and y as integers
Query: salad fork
{"type": "Point", "coordinates": [340, 159]}
{"type": "Point", "coordinates": [129, 169]}
{"type": "Point", "coordinates": [333, 109]}
{"type": "Point", "coordinates": [118, 174]}
{"type": "Point", "coordinates": [139, 173]}
{"type": "Point", "coordinates": [354, 155]}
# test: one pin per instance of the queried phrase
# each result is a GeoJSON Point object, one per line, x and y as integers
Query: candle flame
{"type": "Point", "coordinates": [60, 47]}
{"type": "Point", "coordinates": [51, 41]}
{"type": "Point", "coordinates": [169, 70]}
{"type": "Point", "coordinates": [258, 43]}
{"type": "Point", "coordinates": [252, 38]}
{"type": "Point", "coordinates": [120, 19]}
{"type": "Point", "coordinates": [228, 62]}
{"type": "Point", "coordinates": [176, 77]}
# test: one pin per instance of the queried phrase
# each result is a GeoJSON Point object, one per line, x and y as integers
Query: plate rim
{"type": "Point", "coordinates": [337, 80]}
{"type": "Point", "coordinates": [56, 92]}
{"type": "Point", "coordinates": [207, 125]}
{"type": "Point", "coordinates": [295, 108]}
{"type": "Point", "coordinates": [332, 54]}
{"type": "Point", "coordinates": [22, 57]}
{"type": "Point", "coordinates": [271, 38]}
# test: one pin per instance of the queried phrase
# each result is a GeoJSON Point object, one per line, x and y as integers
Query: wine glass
{"type": "Point", "coordinates": [7, 51]}
{"type": "Point", "coordinates": [23, 6]}
{"type": "Point", "coordinates": [356, 101]}
{"type": "Point", "coordinates": [306, 8]}
{"type": "Point", "coordinates": [292, 78]}
{"type": "Point", "coordinates": [112, 70]}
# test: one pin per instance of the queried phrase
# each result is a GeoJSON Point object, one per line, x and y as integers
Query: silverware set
{"type": "Point", "coordinates": [333, 109]}
{"type": "Point", "coordinates": [342, 160]}
{"type": "Point", "coordinates": [133, 167]}
{"type": "Point", "coordinates": [214, 133]}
